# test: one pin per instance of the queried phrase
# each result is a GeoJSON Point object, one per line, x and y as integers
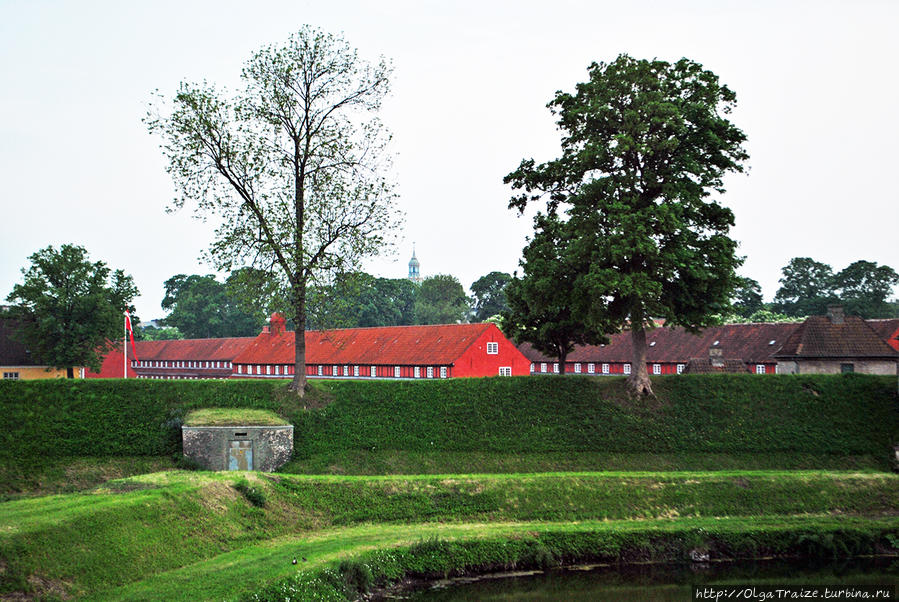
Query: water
{"type": "Point", "coordinates": [658, 582]}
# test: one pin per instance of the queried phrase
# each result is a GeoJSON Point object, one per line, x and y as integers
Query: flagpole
{"type": "Point", "coordinates": [125, 343]}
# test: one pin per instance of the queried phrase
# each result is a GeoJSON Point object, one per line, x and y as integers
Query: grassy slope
{"type": "Point", "coordinates": [152, 524]}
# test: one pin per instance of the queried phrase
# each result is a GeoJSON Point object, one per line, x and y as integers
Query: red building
{"type": "Point", "coordinates": [436, 351]}
{"type": "Point", "coordinates": [187, 358]}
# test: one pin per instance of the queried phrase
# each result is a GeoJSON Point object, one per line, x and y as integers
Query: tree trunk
{"type": "Point", "coordinates": [638, 381]}
{"type": "Point", "coordinates": [563, 355]}
{"type": "Point", "coordinates": [70, 372]}
{"type": "Point", "coordinates": [299, 368]}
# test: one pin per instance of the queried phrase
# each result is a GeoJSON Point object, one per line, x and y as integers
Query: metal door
{"type": "Point", "coordinates": [240, 455]}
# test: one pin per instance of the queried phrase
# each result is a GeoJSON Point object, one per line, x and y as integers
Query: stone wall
{"type": "Point", "coordinates": [886, 367]}
{"type": "Point", "coordinates": [264, 448]}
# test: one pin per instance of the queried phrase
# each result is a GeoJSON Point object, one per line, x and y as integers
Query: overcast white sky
{"type": "Point", "coordinates": [816, 84]}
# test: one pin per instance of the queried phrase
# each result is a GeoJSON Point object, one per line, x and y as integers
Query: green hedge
{"type": "Point", "coordinates": [841, 415]}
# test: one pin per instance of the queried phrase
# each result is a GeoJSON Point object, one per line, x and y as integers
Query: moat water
{"type": "Point", "coordinates": [749, 580]}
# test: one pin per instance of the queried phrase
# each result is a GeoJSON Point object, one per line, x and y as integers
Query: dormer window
{"type": "Point", "coordinates": [715, 343]}
{"type": "Point", "coordinates": [771, 342]}
{"type": "Point", "coordinates": [652, 344]}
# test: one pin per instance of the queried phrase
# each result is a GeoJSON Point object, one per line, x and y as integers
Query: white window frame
{"type": "Point", "coordinates": [555, 367]}
{"type": "Point", "coordinates": [278, 370]}
{"type": "Point", "coordinates": [656, 369]}
{"type": "Point", "coordinates": [321, 370]}
{"type": "Point", "coordinates": [334, 370]}
{"type": "Point", "coordinates": [492, 348]}
{"type": "Point", "coordinates": [542, 366]}
{"type": "Point", "coordinates": [268, 369]}
{"type": "Point", "coordinates": [417, 372]}
{"type": "Point", "coordinates": [505, 370]}
{"type": "Point", "coordinates": [627, 369]}
{"type": "Point", "coordinates": [240, 368]}
{"type": "Point", "coordinates": [605, 368]}
{"type": "Point", "coordinates": [760, 369]}
{"type": "Point", "coordinates": [355, 370]}
{"type": "Point", "coordinates": [591, 368]}
{"type": "Point", "coordinates": [442, 371]}
{"type": "Point", "coordinates": [680, 368]}
{"type": "Point", "coordinates": [374, 371]}
{"type": "Point", "coordinates": [430, 371]}
{"type": "Point", "coordinates": [11, 376]}
{"type": "Point", "coordinates": [396, 372]}
{"type": "Point", "coordinates": [577, 368]}
{"type": "Point", "coordinates": [346, 370]}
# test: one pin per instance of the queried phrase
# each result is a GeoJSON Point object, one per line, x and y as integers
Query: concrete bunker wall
{"type": "Point", "coordinates": [264, 448]}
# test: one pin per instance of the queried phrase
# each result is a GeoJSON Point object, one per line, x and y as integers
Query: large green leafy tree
{"type": "Point", "coordinates": [72, 308]}
{"type": "Point", "coordinates": [359, 300]}
{"type": "Point", "coordinates": [645, 144]}
{"type": "Point", "coordinates": [806, 288]}
{"type": "Point", "coordinates": [747, 298]}
{"type": "Point", "coordinates": [488, 295]}
{"type": "Point", "coordinates": [440, 300]}
{"type": "Point", "coordinates": [201, 308]}
{"type": "Point", "coordinates": [293, 165]}
{"type": "Point", "coordinates": [864, 287]}
{"type": "Point", "coordinates": [547, 304]}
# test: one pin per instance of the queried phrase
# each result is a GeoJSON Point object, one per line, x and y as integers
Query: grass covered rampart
{"type": "Point", "coordinates": [142, 528]}
{"type": "Point", "coordinates": [727, 414]}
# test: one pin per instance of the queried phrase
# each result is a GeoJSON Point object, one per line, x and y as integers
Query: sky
{"type": "Point", "coordinates": [816, 85]}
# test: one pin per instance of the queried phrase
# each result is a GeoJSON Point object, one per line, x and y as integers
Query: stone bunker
{"type": "Point", "coordinates": [237, 439]}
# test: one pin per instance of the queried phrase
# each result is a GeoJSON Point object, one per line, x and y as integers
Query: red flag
{"type": "Point", "coordinates": [131, 332]}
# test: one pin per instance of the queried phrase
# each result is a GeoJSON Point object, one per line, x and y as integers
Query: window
{"type": "Point", "coordinates": [320, 370]}
{"type": "Point", "coordinates": [430, 371]}
{"type": "Point", "coordinates": [396, 372]}
{"type": "Point", "coordinates": [543, 367]}
{"type": "Point", "coordinates": [680, 368]}
{"type": "Point", "coordinates": [605, 368]}
{"type": "Point", "coordinates": [11, 376]}
{"type": "Point", "coordinates": [334, 371]}
{"type": "Point", "coordinates": [417, 372]}
{"type": "Point", "coordinates": [268, 369]}
{"type": "Point", "coordinates": [277, 369]}
{"type": "Point", "coordinates": [492, 348]}
{"type": "Point", "coordinates": [656, 368]}
{"type": "Point", "coordinates": [239, 369]}
{"type": "Point", "coordinates": [845, 368]}
{"type": "Point", "coordinates": [506, 370]}
{"type": "Point", "coordinates": [627, 368]}
{"type": "Point", "coordinates": [346, 370]}
{"type": "Point", "coordinates": [556, 368]}
{"type": "Point", "coordinates": [532, 367]}
{"type": "Point", "coordinates": [577, 368]}
{"type": "Point", "coordinates": [442, 371]}
{"type": "Point", "coordinates": [591, 368]}
{"type": "Point", "coordinates": [374, 372]}
{"type": "Point", "coordinates": [355, 370]}
{"type": "Point", "coordinates": [760, 368]}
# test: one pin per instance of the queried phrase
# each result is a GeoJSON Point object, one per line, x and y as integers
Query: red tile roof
{"type": "Point", "coordinates": [753, 343]}
{"type": "Point", "coordinates": [819, 337]}
{"type": "Point", "coordinates": [888, 330]}
{"type": "Point", "coordinates": [397, 345]}
{"type": "Point", "coordinates": [193, 349]}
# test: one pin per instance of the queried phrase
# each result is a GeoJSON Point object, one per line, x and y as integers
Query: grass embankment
{"type": "Point", "coordinates": [470, 425]}
{"type": "Point", "coordinates": [136, 531]}
{"type": "Point", "coordinates": [232, 417]}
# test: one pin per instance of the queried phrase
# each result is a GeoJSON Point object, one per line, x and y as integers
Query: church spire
{"type": "Point", "coordinates": [414, 267]}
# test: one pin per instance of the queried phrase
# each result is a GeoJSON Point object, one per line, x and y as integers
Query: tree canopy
{"type": "Point", "coordinates": [488, 295]}
{"type": "Point", "coordinates": [294, 165]}
{"type": "Point", "coordinates": [864, 286]}
{"type": "Point", "coordinates": [72, 308]}
{"type": "Point", "coordinates": [644, 146]}
{"type": "Point", "coordinates": [200, 308]}
{"type": "Point", "coordinates": [806, 288]}
{"type": "Point", "coordinates": [440, 300]}
{"type": "Point", "coordinates": [747, 298]}
{"type": "Point", "coordinates": [546, 304]}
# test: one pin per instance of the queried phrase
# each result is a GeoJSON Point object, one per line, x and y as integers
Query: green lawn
{"type": "Point", "coordinates": [140, 528]}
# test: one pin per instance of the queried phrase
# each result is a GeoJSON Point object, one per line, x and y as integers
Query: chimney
{"type": "Point", "coordinates": [835, 313]}
{"type": "Point", "coordinates": [277, 324]}
{"type": "Point", "coordinates": [716, 357]}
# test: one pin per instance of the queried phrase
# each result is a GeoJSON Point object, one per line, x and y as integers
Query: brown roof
{"type": "Point", "coordinates": [819, 337]}
{"type": "Point", "coordinates": [12, 350]}
{"type": "Point", "coordinates": [751, 343]}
